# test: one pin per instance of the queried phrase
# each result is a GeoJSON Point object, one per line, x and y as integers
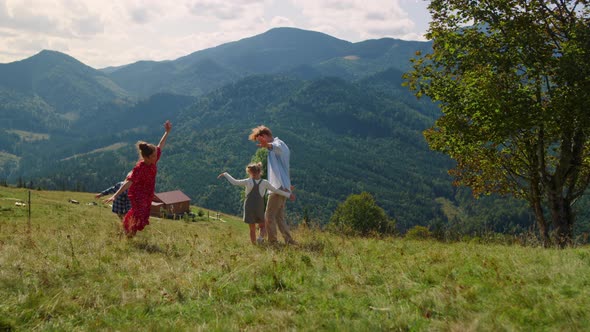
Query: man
{"type": "Point", "coordinates": [121, 204]}
{"type": "Point", "coordinates": [279, 177]}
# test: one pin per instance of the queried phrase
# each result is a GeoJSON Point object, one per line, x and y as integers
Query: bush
{"type": "Point", "coordinates": [360, 214]}
{"type": "Point", "coordinates": [418, 233]}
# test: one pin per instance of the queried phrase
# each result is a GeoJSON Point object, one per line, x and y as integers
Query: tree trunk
{"type": "Point", "coordinates": [536, 197]}
{"type": "Point", "coordinates": [537, 206]}
{"type": "Point", "coordinates": [562, 219]}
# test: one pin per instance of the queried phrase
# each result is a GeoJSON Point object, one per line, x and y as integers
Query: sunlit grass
{"type": "Point", "coordinates": [71, 269]}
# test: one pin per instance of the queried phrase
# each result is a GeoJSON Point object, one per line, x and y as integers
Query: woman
{"type": "Point", "coordinates": [141, 182]}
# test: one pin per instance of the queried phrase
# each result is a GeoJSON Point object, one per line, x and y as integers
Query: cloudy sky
{"type": "Point", "coordinates": [103, 33]}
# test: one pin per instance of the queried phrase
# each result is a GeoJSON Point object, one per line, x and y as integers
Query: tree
{"type": "Point", "coordinates": [512, 80]}
{"type": "Point", "coordinates": [360, 213]}
{"type": "Point", "coordinates": [261, 155]}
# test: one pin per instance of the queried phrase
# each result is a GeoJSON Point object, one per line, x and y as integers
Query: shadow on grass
{"type": "Point", "coordinates": [149, 248]}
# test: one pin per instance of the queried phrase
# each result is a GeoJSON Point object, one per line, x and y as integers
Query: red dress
{"type": "Point", "coordinates": [141, 193]}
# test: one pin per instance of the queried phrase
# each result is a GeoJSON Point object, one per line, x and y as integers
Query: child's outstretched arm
{"type": "Point", "coordinates": [233, 181]}
{"type": "Point", "coordinates": [124, 187]}
{"type": "Point", "coordinates": [110, 190]}
{"type": "Point", "coordinates": [167, 127]}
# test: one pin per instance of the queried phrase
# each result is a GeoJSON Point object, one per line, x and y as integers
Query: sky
{"type": "Point", "coordinates": [103, 33]}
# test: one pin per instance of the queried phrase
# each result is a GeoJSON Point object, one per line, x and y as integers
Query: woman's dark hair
{"type": "Point", "coordinates": [145, 149]}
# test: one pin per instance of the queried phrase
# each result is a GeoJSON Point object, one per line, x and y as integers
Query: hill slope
{"type": "Point", "coordinates": [70, 270]}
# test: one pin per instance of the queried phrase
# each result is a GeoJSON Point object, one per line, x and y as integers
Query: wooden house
{"type": "Point", "coordinates": [170, 204]}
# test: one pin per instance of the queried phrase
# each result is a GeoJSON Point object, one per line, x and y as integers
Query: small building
{"type": "Point", "coordinates": [170, 203]}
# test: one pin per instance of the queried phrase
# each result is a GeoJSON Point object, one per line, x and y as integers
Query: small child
{"type": "Point", "coordinates": [121, 204]}
{"type": "Point", "coordinates": [254, 202]}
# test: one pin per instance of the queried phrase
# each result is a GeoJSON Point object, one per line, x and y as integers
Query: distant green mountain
{"type": "Point", "coordinates": [295, 52]}
{"type": "Point", "coordinates": [366, 58]}
{"type": "Point", "coordinates": [272, 52]}
{"type": "Point", "coordinates": [389, 82]}
{"type": "Point", "coordinates": [27, 111]}
{"type": "Point", "coordinates": [62, 82]}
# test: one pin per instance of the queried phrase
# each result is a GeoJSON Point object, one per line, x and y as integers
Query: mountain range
{"type": "Point", "coordinates": [339, 106]}
{"type": "Point", "coordinates": [305, 54]}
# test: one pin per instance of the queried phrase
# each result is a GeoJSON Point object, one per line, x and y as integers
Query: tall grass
{"type": "Point", "coordinates": [74, 271]}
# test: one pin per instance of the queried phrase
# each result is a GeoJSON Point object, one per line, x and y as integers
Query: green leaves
{"type": "Point", "coordinates": [515, 109]}
{"type": "Point", "coordinates": [361, 214]}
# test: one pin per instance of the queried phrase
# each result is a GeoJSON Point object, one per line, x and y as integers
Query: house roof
{"type": "Point", "coordinates": [171, 197]}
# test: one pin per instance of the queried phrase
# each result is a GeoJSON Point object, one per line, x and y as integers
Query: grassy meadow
{"type": "Point", "coordinates": [70, 269]}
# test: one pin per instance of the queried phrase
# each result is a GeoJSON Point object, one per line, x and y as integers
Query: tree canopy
{"type": "Point", "coordinates": [361, 214]}
{"type": "Point", "coordinates": [512, 80]}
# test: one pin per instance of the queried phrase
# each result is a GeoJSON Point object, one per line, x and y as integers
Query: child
{"type": "Point", "coordinates": [121, 204]}
{"type": "Point", "coordinates": [141, 183]}
{"type": "Point", "coordinates": [254, 202]}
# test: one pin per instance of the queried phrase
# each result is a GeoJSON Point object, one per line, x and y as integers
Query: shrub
{"type": "Point", "coordinates": [360, 214]}
{"type": "Point", "coordinates": [418, 233]}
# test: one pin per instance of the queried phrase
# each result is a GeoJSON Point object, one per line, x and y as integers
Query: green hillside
{"type": "Point", "coordinates": [345, 138]}
{"type": "Point", "coordinates": [28, 112]}
{"type": "Point", "coordinates": [69, 269]}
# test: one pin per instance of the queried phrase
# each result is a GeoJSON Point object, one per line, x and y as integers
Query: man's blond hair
{"type": "Point", "coordinates": [260, 130]}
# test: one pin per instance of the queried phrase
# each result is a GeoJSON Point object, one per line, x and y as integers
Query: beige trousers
{"type": "Point", "coordinates": [275, 216]}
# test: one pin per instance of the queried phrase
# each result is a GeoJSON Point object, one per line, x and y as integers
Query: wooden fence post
{"type": "Point", "coordinates": [29, 214]}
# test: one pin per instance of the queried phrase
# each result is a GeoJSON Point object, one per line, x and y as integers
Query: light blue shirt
{"type": "Point", "coordinates": [278, 165]}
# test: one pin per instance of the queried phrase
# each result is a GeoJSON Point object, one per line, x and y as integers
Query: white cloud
{"type": "Point", "coordinates": [141, 15]}
{"type": "Point", "coordinates": [104, 33]}
{"type": "Point", "coordinates": [20, 16]}
{"type": "Point", "coordinates": [281, 21]}
{"type": "Point", "coordinates": [87, 26]}
{"type": "Point", "coordinates": [357, 20]}
{"type": "Point", "coordinates": [230, 10]}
